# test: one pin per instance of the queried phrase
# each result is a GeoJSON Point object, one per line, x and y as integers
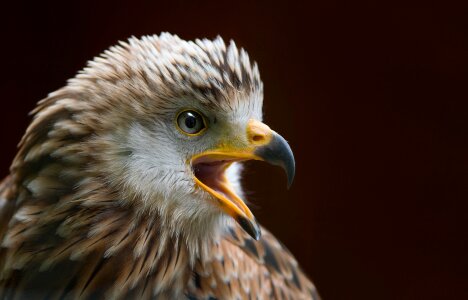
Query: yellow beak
{"type": "Point", "coordinates": [209, 170]}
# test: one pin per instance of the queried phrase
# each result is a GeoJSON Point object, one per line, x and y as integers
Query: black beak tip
{"type": "Point", "coordinates": [290, 180]}
{"type": "Point", "coordinates": [251, 227]}
{"type": "Point", "coordinates": [290, 171]}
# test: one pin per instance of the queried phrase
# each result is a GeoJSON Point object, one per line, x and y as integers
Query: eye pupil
{"type": "Point", "coordinates": [191, 121]}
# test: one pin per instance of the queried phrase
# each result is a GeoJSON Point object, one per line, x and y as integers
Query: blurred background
{"type": "Point", "coordinates": [372, 97]}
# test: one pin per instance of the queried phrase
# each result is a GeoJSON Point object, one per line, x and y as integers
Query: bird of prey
{"type": "Point", "coordinates": [126, 182]}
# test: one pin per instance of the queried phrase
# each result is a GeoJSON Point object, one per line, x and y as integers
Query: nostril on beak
{"type": "Point", "coordinates": [258, 133]}
{"type": "Point", "coordinates": [258, 138]}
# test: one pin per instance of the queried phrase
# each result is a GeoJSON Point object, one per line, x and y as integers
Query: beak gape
{"type": "Point", "coordinates": [209, 170]}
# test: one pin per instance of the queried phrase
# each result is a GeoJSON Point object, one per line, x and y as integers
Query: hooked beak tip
{"type": "Point", "coordinates": [278, 152]}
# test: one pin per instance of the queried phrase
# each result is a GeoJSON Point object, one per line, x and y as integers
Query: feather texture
{"type": "Point", "coordinates": [106, 251]}
{"type": "Point", "coordinates": [87, 213]}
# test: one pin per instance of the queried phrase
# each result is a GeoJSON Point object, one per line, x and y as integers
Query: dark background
{"type": "Point", "coordinates": [371, 95]}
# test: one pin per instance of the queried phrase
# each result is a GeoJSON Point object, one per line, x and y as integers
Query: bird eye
{"type": "Point", "coordinates": [190, 122]}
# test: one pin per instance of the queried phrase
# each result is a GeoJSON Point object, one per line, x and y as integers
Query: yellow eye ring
{"type": "Point", "coordinates": [190, 122]}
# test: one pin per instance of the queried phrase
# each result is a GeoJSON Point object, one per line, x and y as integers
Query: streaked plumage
{"type": "Point", "coordinates": [101, 201]}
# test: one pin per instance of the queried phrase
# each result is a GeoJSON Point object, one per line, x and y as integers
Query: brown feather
{"type": "Point", "coordinates": [71, 227]}
{"type": "Point", "coordinates": [243, 268]}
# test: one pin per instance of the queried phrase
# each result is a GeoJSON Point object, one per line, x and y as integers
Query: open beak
{"type": "Point", "coordinates": [209, 170]}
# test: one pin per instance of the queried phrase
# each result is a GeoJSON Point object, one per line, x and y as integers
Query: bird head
{"type": "Point", "coordinates": [172, 121]}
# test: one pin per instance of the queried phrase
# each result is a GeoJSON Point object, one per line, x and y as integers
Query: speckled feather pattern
{"type": "Point", "coordinates": [80, 220]}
